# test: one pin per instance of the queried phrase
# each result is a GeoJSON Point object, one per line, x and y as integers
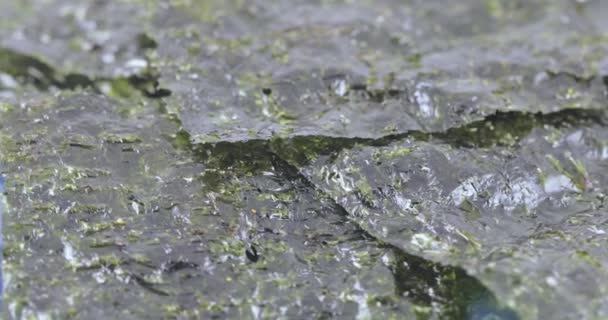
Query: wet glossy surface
{"type": "Point", "coordinates": [284, 159]}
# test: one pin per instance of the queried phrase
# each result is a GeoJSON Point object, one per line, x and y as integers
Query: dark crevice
{"type": "Point", "coordinates": [29, 70]}
{"type": "Point", "coordinates": [508, 128]}
{"type": "Point", "coordinates": [498, 129]}
{"type": "Point", "coordinates": [145, 42]}
{"type": "Point", "coordinates": [460, 295]}
{"type": "Point", "coordinates": [147, 285]}
{"type": "Point", "coordinates": [148, 85]}
{"type": "Point", "coordinates": [177, 265]}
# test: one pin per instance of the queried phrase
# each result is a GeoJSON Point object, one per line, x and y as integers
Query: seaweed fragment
{"type": "Point", "coordinates": [252, 254]}
{"type": "Point", "coordinates": [459, 295]}
{"type": "Point", "coordinates": [507, 128]}
{"type": "Point", "coordinates": [177, 265]}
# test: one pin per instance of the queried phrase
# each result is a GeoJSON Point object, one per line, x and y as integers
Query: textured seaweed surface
{"type": "Point", "coordinates": [385, 159]}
